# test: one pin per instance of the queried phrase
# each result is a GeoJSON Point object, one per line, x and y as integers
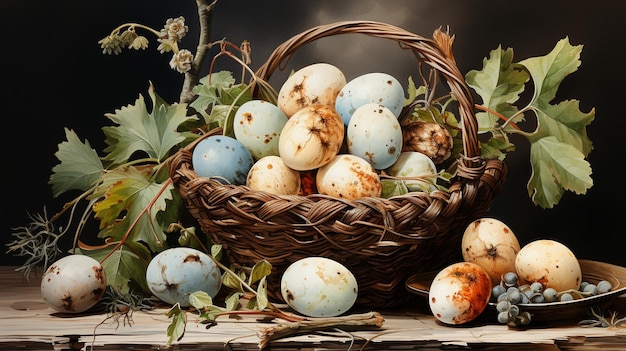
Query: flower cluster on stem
{"type": "Point", "coordinates": [174, 30]}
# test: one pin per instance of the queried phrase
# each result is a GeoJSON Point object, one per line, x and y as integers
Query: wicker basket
{"type": "Point", "coordinates": [382, 241]}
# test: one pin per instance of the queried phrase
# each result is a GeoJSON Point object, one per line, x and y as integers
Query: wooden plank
{"type": "Point", "coordinates": [26, 320]}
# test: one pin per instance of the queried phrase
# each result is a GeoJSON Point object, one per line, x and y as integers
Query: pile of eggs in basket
{"type": "Point", "coordinates": [333, 134]}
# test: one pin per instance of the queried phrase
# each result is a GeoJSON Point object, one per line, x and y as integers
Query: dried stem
{"type": "Point", "coordinates": [284, 329]}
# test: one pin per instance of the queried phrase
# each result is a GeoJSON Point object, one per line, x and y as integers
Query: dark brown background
{"type": "Point", "coordinates": [55, 76]}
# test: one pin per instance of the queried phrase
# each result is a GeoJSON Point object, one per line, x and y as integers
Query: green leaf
{"type": "Point", "coordinates": [125, 194]}
{"type": "Point", "coordinates": [200, 300]}
{"type": "Point", "coordinates": [393, 187]}
{"type": "Point", "coordinates": [499, 84]}
{"type": "Point", "coordinates": [79, 167]}
{"type": "Point", "coordinates": [123, 268]}
{"type": "Point", "coordinates": [556, 166]}
{"type": "Point", "coordinates": [564, 120]}
{"type": "Point", "coordinates": [217, 252]}
{"type": "Point", "coordinates": [233, 301]}
{"type": "Point", "coordinates": [261, 294]}
{"type": "Point", "coordinates": [562, 125]}
{"type": "Point", "coordinates": [233, 281]}
{"type": "Point", "coordinates": [260, 270]}
{"type": "Point", "coordinates": [560, 140]}
{"type": "Point", "coordinates": [176, 328]}
{"type": "Point", "coordinates": [549, 71]}
{"type": "Point", "coordinates": [211, 312]}
{"type": "Point", "coordinates": [154, 133]}
{"type": "Point", "coordinates": [188, 238]}
{"type": "Point", "coordinates": [218, 97]}
{"type": "Point", "coordinates": [494, 147]}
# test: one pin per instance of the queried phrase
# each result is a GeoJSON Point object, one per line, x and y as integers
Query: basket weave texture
{"type": "Point", "coordinates": [382, 241]}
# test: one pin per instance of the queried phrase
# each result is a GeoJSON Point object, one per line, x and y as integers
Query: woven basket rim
{"type": "Point", "coordinates": [427, 50]}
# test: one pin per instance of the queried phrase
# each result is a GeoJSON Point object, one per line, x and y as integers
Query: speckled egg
{"type": "Point", "coordinates": [375, 135]}
{"type": "Point", "coordinates": [311, 137]}
{"type": "Point", "coordinates": [272, 175]}
{"type": "Point", "coordinates": [459, 293]}
{"type": "Point", "coordinates": [376, 87]}
{"type": "Point", "coordinates": [176, 272]}
{"type": "Point", "coordinates": [549, 262]}
{"type": "Point", "coordinates": [348, 177]}
{"type": "Point", "coordinates": [318, 83]}
{"type": "Point", "coordinates": [257, 124]}
{"type": "Point", "coordinates": [491, 244]}
{"type": "Point", "coordinates": [419, 171]}
{"type": "Point", "coordinates": [319, 287]}
{"type": "Point", "coordinates": [222, 157]}
{"type": "Point", "coordinates": [73, 284]}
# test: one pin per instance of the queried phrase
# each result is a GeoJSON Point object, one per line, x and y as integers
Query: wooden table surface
{"type": "Point", "coordinates": [27, 323]}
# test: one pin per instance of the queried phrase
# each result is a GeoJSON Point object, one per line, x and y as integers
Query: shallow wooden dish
{"type": "Point", "coordinates": [593, 272]}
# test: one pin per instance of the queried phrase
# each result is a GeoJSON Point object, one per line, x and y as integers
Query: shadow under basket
{"type": "Point", "coordinates": [382, 241]}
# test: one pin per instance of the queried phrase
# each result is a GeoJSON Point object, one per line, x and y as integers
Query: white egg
{"type": "Point", "coordinates": [73, 284]}
{"type": "Point", "coordinates": [319, 287]}
{"type": "Point", "coordinates": [415, 165]}
{"type": "Point", "coordinates": [257, 124]}
{"type": "Point", "coordinates": [459, 293]}
{"type": "Point", "coordinates": [375, 135]}
{"type": "Point", "coordinates": [311, 137]}
{"type": "Point", "coordinates": [318, 83]}
{"type": "Point", "coordinates": [348, 177]}
{"type": "Point", "coordinates": [549, 262]}
{"type": "Point", "coordinates": [272, 175]}
{"type": "Point", "coordinates": [376, 87]}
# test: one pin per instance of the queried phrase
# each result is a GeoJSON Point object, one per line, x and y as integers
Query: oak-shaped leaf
{"type": "Point", "coordinates": [132, 202]}
{"type": "Point", "coordinates": [153, 133]}
{"type": "Point", "coordinates": [499, 84]}
{"type": "Point", "coordinates": [560, 143]}
{"type": "Point", "coordinates": [79, 167]}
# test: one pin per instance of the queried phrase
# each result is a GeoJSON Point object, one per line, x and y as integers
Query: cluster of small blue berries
{"type": "Point", "coordinates": [509, 294]}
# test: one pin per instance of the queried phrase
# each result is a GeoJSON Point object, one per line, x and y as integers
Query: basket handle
{"type": "Point", "coordinates": [470, 166]}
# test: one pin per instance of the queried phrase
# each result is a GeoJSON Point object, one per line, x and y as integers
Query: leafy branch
{"type": "Point", "coordinates": [243, 289]}
{"type": "Point", "coordinates": [559, 144]}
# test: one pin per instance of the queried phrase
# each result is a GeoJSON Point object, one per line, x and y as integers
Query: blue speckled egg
{"type": "Point", "coordinates": [376, 87]}
{"type": "Point", "coordinates": [175, 273]}
{"type": "Point", "coordinates": [223, 157]}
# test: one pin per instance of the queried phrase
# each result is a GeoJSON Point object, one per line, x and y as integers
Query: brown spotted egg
{"type": "Point", "coordinates": [73, 284]}
{"type": "Point", "coordinates": [459, 293]}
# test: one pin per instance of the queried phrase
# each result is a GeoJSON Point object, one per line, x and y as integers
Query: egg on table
{"type": "Point", "coordinates": [73, 284]}
{"type": "Point", "coordinates": [173, 274]}
{"type": "Point", "coordinates": [459, 293]}
{"type": "Point", "coordinates": [491, 244]}
{"type": "Point", "coordinates": [549, 262]}
{"type": "Point", "coordinates": [319, 287]}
